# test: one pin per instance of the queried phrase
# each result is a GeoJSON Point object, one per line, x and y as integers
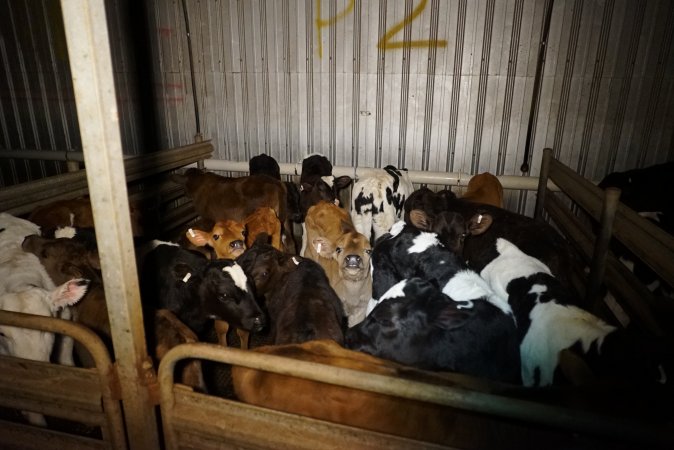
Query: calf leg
{"type": "Point", "coordinates": [221, 328]}
{"type": "Point", "coordinates": [243, 338]}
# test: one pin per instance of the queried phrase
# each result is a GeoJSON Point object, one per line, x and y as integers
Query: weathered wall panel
{"type": "Point", "coordinates": [426, 84]}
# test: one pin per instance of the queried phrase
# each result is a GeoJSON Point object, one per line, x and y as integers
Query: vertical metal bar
{"type": "Point", "coordinates": [598, 265]}
{"type": "Point", "coordinates": [91, 67]}
{"type": "Point", "coordinates": [542, 184]}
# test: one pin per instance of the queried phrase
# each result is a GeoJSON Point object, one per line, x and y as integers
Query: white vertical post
{"type": "Point", "coordinates": [91, 66]}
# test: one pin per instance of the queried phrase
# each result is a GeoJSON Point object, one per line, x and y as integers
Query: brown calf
{"type": "Point", "coordinates": [339, 404]}
{"type": "Point", "coordinates": [344, 254]}
{"type": "Point", "coordinates": [226, 238]}
{"type": "Point", "coordinates": [484, 188]}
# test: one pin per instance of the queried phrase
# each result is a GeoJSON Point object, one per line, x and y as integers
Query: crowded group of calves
{"type": "Point", "coordinates": [404, 278]}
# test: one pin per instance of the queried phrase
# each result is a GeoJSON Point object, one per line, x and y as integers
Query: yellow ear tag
{"type": "Point", "coordinates": [191, 232]}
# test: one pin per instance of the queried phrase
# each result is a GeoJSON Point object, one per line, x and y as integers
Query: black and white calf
{"type": "Point", "coordinates": [417, 325]}
{"type": "Point", "coordinates": [549, 323]}
{"type": "Point", "coordinates": [197, 290]}
{"type": "Point", "coordinates": [429, 310]}
{"type": "Point", "coordinates": [377, 201]}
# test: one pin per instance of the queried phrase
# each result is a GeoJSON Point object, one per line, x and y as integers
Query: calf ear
{"type": "Point", "coordinates": [450, 318]}
{"type": "Point", "coordinates": [68, 293]}
{"type": "Point", "coordinates": [181, 270]}
{"type": "Point", "coordinates": [421, 220]}
{"type": "Point", "coordinates": [342, 182]}
{"type": "Point", "coordinates": [323, 247]}
{"type": "Point", "coordinates": [479, 223]}
{"type": "Point", "coordinates": [198, 237]}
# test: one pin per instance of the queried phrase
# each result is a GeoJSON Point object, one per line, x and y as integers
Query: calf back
{"type": "Point", "coordinates": [219, 198]}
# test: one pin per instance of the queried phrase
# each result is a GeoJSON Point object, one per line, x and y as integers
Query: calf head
{"type": "Point", "coordinates": [451, 227]}
{"type": "Point", "coordinates": [64, 258]}
{"type": "Point", "coordinates": [352, 252]}
{"type": "Point", "coordinates": [322, 188]}
{"type": "Point", "coordinates": [266, 265]}
{"type": "Point", "coordinates": [225, 293]}
{"type": "Point", "coordinates": [263, 220]}
{"type": "Point", "coordinates": [227, 238]}
{"type": "Point", "coordinates": [264, 164]}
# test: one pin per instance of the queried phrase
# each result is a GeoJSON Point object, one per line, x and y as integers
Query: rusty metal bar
{"type": "Point", "coordinates": [113, 430]}
{"type": "Point", "coordinates": [443, 395]}
{"type": "Point", "coordinates": [93, 82]}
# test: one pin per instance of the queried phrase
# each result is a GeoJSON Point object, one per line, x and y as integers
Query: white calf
{"type": "Point", "coordinates": [34, 344]}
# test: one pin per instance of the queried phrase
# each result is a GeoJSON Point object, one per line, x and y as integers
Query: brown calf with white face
{"type": "Point", "coordinates": [344, 254]}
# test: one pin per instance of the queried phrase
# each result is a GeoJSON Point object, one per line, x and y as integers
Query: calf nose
{"type": "Point", "coordinates": [258, 323]}
{"type": "Point", "coordinates": [353, 260]}
{"type": "Point", "coordinates": [236, 244]}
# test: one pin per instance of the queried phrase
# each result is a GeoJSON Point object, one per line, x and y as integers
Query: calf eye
{"type": "Point", "coordinates": [368, 251]}
{"type": "Point", "coordinates": [216, 237]}
{"type": "Point", "coordinates": [338, 249]}
{"type": "Point", "coordinates": [222, 297]}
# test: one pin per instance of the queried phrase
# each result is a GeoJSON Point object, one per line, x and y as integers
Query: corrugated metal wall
{"type": "Point", "coordinates": [290, 77]}
{"type": "Point", "coordinates": [37, 104]}
{"type": "Point", "coordinates": [426, 84]}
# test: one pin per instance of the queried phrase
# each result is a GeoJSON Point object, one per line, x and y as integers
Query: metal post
{"type": "Point", "coordinates": [91, 66]}
{"type": "Point", "coordinates": [598, 265]}
{"type": "Point", "coordinates": [542, 184]}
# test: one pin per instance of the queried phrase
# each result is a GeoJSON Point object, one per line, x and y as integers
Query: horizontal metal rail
{"type": "Point", "coordinates": [505, 407]}
{"type": "Point", "coordinates": [416, 176]}
{"type": "Point", "coordinates": [44, 400]}
{"type": "Point", "coordinates": [23, 198]}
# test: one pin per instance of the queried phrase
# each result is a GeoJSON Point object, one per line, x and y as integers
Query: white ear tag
{"type": "Point", "coordinates": [337, 202]}
{"type": "Point", "coordinates": [187, 277]}
{"type": "Point", "coordinates": [318, 247]}
{"type": "Point", "coordinates": [191, 232]}
{"type": "Point", "coordinates": [297, 263]}
{"type": "Point", "coordinates": [479, 218]}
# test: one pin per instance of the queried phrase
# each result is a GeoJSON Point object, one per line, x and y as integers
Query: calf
{"type": "Point", "coordinates": [300, 302]}
{"type": "Point", "coordinates": [471, 230]}
{"type": "Point", "coordinates": [263, 220]}
{"type": "Point", "coordinates": [484, 188]}
{"type": "Point", "coordinates": [75, 213]}
{"type": "Point", "coordinates": [416, 324]}
{"type": "Point", "coordinates": [197, 290]}
{"type": "Point", "coordinates": [219, 198]}
{"type": "Point", "coordinates": [317, 183]}
{"type": "Point", "coordinates": [344, 254]}
{"type": "Point", "coordinates": [34, 344]}
{"type": "Point", "coordinates": [169, 332]}
{"type": "Point", "coordinates": [266, 165]}
{"type": "Point", "coordinates": [646, 191]}
{"type": "Point", "coordinates": [362, 409]}
{"type": "Point", "coordinates": [377, 201]}
{"type": "Point", "coordinates": [226, 238]}
{"type": "Point", "coordinates": [19, 269]}
{"type": "Point", "coordinates": [64, 259]}
{"type": "Point", "coordinates": [549, 323]}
